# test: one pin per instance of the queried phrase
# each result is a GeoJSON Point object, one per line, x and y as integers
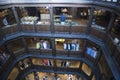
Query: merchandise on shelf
{"type": "Point", "coordinates": [46, 62]}
{"type": "Point", "coordinates": [43, 44]}
{"type": "Point", "coordinates": [92, 52]}
{"type": "Point", "coordinates": [71, 46]}
{"type": "Point", "coordinates": [29, 20]}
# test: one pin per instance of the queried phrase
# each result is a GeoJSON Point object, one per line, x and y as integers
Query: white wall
{"type": "Point", "coordinates": [4, 1]}
{"type": "Point", "coordinates": [42, 1]}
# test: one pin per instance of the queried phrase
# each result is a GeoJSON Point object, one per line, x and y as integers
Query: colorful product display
{"type": "Point", "coordinates": [46, 62]}
{"type": "Point", "coordinates": [92, 52]}
{"type": "Point", "coordinates": [71, 46]}
{"type": "Point", "coordinates": [43, 45]}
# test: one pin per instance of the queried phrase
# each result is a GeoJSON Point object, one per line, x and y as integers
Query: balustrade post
{"type": "Point", "coordinates": [70, 28]}
{"type": "Point", "coordinates": [110, 25]}
{"type": "Point", "coordinates": [2, 34]}
{"type": "Point", "coordinates": [52, 28]}
{"type": "Point", "coordinates": [54, 65]}
{"type": "Point", "coordinates": [80, 66]}
{"type": "Point", "coordinates": [7, 47]}
{"type": "Point", "coordinates": [18, 67]}
{"type": "Point", "coordinates": [35, 27]}
{"type": "Point", "coordinates": [91, 75]}
{"type": "Point", "coordinates": [53, 47]}
{"type": "Point", "coordinates": [30, 59]}
{"type": "Point", "coordinates": [118, 2]}
{"type": "Point", "coordinates": [25, 45]}
{"type": "Point", "coordinates": [68, 53]}
{"type": "Point", "coordinates": [17, 19]}
{"type": "Point", "coordinates": [84, 48]}
{"type": "Point", "coordinates": [90, 20]}
{"type": "Point", "coordinates": [111, 22]}
{"type": "Point", "coordinates": [98, 58]}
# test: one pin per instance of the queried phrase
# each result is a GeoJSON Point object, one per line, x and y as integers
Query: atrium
{"type": "Point", "coordinates": [59, 39]}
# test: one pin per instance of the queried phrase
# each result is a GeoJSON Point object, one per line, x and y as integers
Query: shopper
{"type": "Point", "coordinates": [36, 77]}
{"type": "Point", "coordinates": [67, 64]}
{"type": "Point", "coordinates": [65, 46]}
{"type": "Point", "coordinates": [62, 64]}
{"type": "Point", "coordinates": [69, 77]}
{"type": "Point", "coordinates": [77, 46]}
{"type": "Point", "coordinates": [63, 19]}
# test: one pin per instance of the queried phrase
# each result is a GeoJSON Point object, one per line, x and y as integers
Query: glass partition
{"type": "Point", "coordinates": [44, 62]}
{"type": "Point", "coordinates": [24, 63]}
{"type": "Point", "coordinates": [67, 63]}
{"type": "Point", "coordinates": [74, 64]}
{"type": "Point", "coordinates": [70, 19]}
{"type": "Point", "coordinates": [115, 30]}
{"type": "Point", "coordinates": [34, 18]}
{"type": "Point", "coordinates": [37, 61]}
{"type": "Point", "coordinates": [32, 43]}
{"type": "Point", "coordinates": [92, 50]}
{"type": "Point", "coordinates": [71, 16]}
{"type": "Point", "coordinates": [13, 74]}
{"type": "Point", "coordinates": [62, 16]}
{"type": "Point", "coordinates": [101, 19]}
{"type": "Point", "coordinates": [7, 17]}
{"type": "Point", "coordinates": [16, 45]}
{"type": "Point", "coordinates": [69, 44]}
{"type": "Point", "coordinates": [69, 47]}
{"type": "Point", "coordinates": [105, 69]}
{"type": "Point", "coordinates": [86, 69]}
{"type": "Point", "coordinates": [8, 21]}
{"type": "Point", "coordinates": [31, 14]}
{"type": "Point", "coordinates": [38, 43]}
{"type": "Point", "coordinates": [114, 40]}
{"type": "Point", "coordinates": [83, 14]}
{"type": "Point", "coordinates": [4, 55]}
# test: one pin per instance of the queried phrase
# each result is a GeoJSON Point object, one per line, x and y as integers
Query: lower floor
{"type": "Point", "coordinates": [51, 76]}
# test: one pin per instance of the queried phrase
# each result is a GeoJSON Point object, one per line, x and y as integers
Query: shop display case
{"type": "Point", "coordinates": [68, 20]}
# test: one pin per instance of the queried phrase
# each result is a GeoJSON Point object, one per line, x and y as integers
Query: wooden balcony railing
{"type": "Point", "coordinates": [42, 28]}
{"type": "Point", "coordinates": [65, 29]}
{"type": "Point", "coordinates": [114, 49]}
{"type": "Point", "coordinates": [78, 29]}
{"type": "Point", "coordinates": [69, 53]}
{"type": "Point", "coordinates": [5, 66]}
{"type": "Point", "coordinates": [70, 29]}
{"type": "Point", "coordinates": [10, 29]}
{"type": "Point", "coordinates": [41, 51]}
{"type": "Point", "coordinates": [62, 29]}
{"type": "Point", "coordinates": [28, 28]}
{"type": "Point", "coordinates": [98, 34]}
